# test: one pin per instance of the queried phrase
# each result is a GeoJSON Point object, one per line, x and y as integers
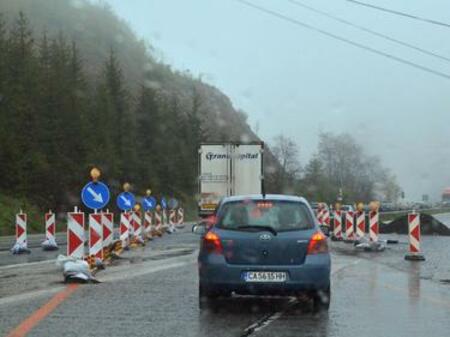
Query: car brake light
{"type": "Point", "coordinates": [318, 244]}
{"type": "Point", "coordinates": [212, 244]}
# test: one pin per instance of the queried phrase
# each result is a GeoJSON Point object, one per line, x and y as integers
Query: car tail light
{"type": "Point", "coordinates": [212, 244]}
{"type": "Point", "coordinates": [318, 244]}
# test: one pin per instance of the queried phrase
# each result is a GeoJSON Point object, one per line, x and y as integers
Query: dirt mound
{"type": "Point", "coordinates": [428, 226]}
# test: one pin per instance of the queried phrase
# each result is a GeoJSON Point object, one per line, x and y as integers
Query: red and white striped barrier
{"type": "Point", "coordinates": [158, 220]}
{"type": "Point", "coordinates": [180, 222]}
{"type": "Point", "coordinates": [360, 224]}
{"type": "Point", "coordinates": [50, 226]}
{"type": "Point", "coordinates": [137, 224]}
{"type": "Point", "coordinates": [172, 217]}
{"type": "Point", "coordinates": [96, 235]}
{"type": "Point", "coordinates": [21, 229]}
{"type": "Point", "coordinates": [374, 229]}
{"type": "Point", "coordinates": [124, 228]}
{"type": "Point", "coordinates": [326, 218]}
{"type": "Point", "coordinates": [414, 238]}
{"type": "Point", "coordinates": [337, 225]}
{"type": "Point", "coordinates": [148, 223]}
{"type": "Point", "coordinates": [75, 234]}
{"type": "Point", "coordinates": [108, 228]}
{"type": "Point", "coordinates": [349, 223]}
{"type": "Point", "coordinates": [320, 215]}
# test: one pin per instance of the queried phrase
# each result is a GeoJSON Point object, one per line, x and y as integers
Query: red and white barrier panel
{"type": "Point", "coordinates": [374, 228]}
{"type": "Point", "coordinates": [137, 224]}
{"type": "Point", "coordinates": [148, 224]}
{"type": "Point", "coordinates": [21, 229]}
{"type": "Point", "coordinates": [320, 215]}
{"type": "Point", "coordinates": [360, 224]}
{"type": "Point", "coordinates": [180, 222]}
{"type": "Point", "coordinates": [414, 238]}
{"type": "Point", "coordinates": [326, 218]}
{"type": "Point", "coordinates": [172, 217]}
{"type": "Point", "coordinates": [124, 228]}
{"type": "Point", "coordinates": [337, 225]}
{"type": "Point", "coordinates": [96, 235]}
{"type": "Point", "coordinates": [158, 220]}
{"type": "Point", "coordinates": [349, 223]}
{"type": "Point", "coordinates": [108, 228]}
{"type": "Point", "coordinates": [75, 234]}
{"type": "Point", "coordinates": [50, 226]}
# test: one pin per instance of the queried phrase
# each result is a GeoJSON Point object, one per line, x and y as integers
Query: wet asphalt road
{"type": "Point", "coordinates": [153, 292]}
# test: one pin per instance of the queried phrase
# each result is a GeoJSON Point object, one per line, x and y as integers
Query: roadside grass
{"type": "Point", "coordinates": [10, 206]}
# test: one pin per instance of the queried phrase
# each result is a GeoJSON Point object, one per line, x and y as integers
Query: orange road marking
{"type": "Point", "coordinates": [31, 321]}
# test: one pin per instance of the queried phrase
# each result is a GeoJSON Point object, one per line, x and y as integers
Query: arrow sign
{"type": "Point", "coordinates": [95, 195]}
{"type": "Point", "coordinates": [163, 203]}
{"type": "Point", "coordinates": [148, 203]}
{"type": "Point", "coordinates": [126, 201]}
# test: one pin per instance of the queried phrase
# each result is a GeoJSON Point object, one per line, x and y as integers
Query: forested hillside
{"type": "Point", "coordinates": [77, 89]}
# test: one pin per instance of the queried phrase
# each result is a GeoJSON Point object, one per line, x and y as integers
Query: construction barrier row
{"type": "Point", "coordinates": [354, 230]}
{"type": "Point", "coordinates": [134, 229]}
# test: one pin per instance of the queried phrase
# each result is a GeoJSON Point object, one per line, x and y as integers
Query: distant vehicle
{"type": "Point", "coordinates": [347, 208]}
{"type": "Point", "coordinates": [227, 169]}
{"type": "Point", "coordinates": [268, 245]}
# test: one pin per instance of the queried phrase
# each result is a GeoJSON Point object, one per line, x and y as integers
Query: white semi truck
{"type": "Point", "coordinates": [227, 169]}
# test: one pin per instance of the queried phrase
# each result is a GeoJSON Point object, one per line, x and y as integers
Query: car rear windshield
{"type": "Point", "coordinates": [279, 215]}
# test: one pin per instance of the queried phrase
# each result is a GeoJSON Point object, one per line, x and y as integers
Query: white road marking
{"type": "Point", "coordinates": [266, 321]}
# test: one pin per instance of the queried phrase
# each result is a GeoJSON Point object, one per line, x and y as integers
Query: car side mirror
{"type": "Point", "coordinates": [199, 228]}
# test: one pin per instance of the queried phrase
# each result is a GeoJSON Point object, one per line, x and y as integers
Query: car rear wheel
{"type": "Point", "coordinates": [321, 300]}
{"type": "Point", "coordinates": [208, 299]}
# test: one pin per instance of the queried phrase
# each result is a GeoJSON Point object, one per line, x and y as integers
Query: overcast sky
{"type": "Point", "coordinates": [294, 81]}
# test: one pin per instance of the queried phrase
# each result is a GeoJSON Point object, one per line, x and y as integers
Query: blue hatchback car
{"type": "Point", "coordinates": [264, 245]}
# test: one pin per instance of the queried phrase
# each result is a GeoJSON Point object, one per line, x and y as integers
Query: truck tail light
{"type": "Point", "coordinates": [318, 244]}
{"type": "Point", "coordinates": [212, 244]}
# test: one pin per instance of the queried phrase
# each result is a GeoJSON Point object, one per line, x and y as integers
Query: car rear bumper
{"type": "Point", "coordinates": [217, 276]}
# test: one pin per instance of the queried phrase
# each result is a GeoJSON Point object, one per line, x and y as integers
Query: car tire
{"type": "Point", "coordinates": [207, 300]}
{"type": "Point", "coordinates": [321, 300]}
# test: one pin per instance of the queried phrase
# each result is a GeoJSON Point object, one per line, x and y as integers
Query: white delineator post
{"type": "Point", "coordinates": [21, 229]}
{"type": "Point", "coordinates": [414, 253]}
{"type": "Point", "coordinates": [337, 225]}
{"type": "Point", "coordinates": [360, 224]}
{"type": "Point", "coordinates": [50, 226]}
{"type": "Point", "coordinates": [75, 234]}
{"type": "Point", "coordinates": [108, 228]}
{"type": "Point", "coordinates": [124, 228]}
{"type": "Point", "coordinates": [374, 225]}
{"type": "Point", "coordinates": [96, 236]}
{"type": "Point", "coordinates": [349, 223]}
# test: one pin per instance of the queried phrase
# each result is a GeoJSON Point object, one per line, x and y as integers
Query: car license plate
{"type": "Point", "coordinates": [265, 276]}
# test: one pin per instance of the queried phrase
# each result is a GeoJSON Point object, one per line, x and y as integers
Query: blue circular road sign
{"type": "Point", "coordinates": [126, 201]}
{"type": "Point", "coordinates": [148, 203]}
{"type": "Point", "coordinates": [95, 195]}
{"type": "Point", "coordinates": [173, 203]}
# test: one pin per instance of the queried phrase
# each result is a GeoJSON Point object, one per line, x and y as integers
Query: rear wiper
{"type": "Point", "coordinates": [260, 228]}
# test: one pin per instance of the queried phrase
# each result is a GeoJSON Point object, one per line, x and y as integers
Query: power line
{"type": "Point", "coordinates": [410, 16]}
{"type": "Point", "coordinates": [343, 39]}
{"type": "Point", "coordinates": [370, 31]}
